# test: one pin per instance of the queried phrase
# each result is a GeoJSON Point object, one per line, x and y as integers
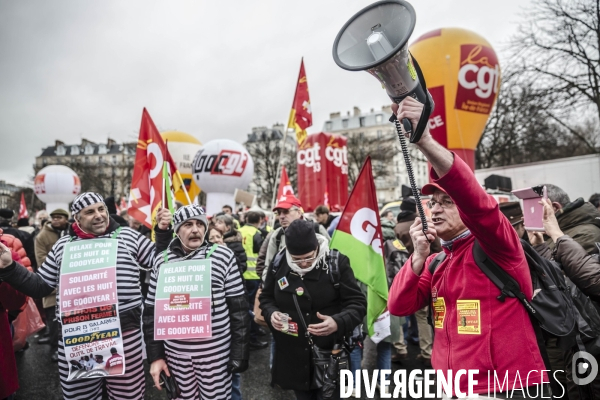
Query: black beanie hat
{"type": "Point", "coordinates": [6, 213]}
{"type": "Point", "coordinates": [300, 237]}
{"type": "Point", "coordinates": [111, 205]}
{"type": "Point", "coordinates": [23, 222]}
{"type": "Point", "coordinates": [408, 204]}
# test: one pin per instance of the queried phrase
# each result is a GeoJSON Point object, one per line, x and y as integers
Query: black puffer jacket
{"type": "Point", "coordinates": [233, 240]}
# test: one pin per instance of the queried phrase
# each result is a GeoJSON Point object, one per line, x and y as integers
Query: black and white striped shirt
{"type": "Point", "coordinates": [226, 281]}
{"type": "Point", "coordinates": [134, 250]}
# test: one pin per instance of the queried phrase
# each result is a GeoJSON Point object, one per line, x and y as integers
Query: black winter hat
{"type": "Point", "coordinates": [6, 213]}
{"type": "Point", "coordinates": [408, 204]}
{"type": "Point", "coordinates": [23, 222]}
{"type": "Point", "coordinates": [300, 237]}
{"type": "Point", "coordinates": [111, 205]}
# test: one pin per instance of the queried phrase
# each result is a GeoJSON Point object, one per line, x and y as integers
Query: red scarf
{"type": "Point", "coordinates": [80, 233]}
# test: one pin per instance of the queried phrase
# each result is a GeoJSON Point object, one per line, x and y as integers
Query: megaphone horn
{"type": "Point", "coordinates": [376, 40]}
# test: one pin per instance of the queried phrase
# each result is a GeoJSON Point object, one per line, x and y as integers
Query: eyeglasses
{"type": "Point", "coordinates": [305, 260]}
{"type": "Point", "coordinates": [445, 203]}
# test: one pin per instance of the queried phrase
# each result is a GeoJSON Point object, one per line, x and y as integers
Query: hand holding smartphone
{"type": "Point", "coordinates": [533, 211]}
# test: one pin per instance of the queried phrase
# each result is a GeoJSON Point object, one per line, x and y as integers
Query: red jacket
{"type": "Point", "coordinates": [474, 330]}
{"type": "Point", "coordinates": [10, 300]}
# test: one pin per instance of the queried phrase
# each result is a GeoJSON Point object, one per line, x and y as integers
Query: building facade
{"type": "Point", "coordinates": [106, 168]}
{"type": "Point", "coordinates": [372, 133]}
{"type": "Point", "coordinates": [6, 192]}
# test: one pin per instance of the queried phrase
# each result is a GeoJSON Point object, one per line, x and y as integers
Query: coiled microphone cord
{"type": "Point", "coordinates": [411, 175]}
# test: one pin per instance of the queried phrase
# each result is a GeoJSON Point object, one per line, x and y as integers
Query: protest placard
{"type": "Point", "coordinates": [89, 311]}
{"type": "Point", "coordinates": [183, 301]}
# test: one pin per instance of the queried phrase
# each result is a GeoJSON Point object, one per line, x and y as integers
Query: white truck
{"type": "Point", "coordinates": [578, 176]}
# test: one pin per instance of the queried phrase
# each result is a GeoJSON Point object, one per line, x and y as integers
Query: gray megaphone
{"type": "Point", "coordinates": [375, 40]}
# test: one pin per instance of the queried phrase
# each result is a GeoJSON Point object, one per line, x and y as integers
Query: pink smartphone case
{"type": "Point", "coordinates": [533, 211]}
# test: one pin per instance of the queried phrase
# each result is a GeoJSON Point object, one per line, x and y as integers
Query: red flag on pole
{"type": "Point", "coordinates": [285, 187]}
{"type": "Point", "coordinates": [301, 114]}
{"type": "Point", "coordinates": [147, 181]}
{"type": "Point", "coordinates": [23, 207]}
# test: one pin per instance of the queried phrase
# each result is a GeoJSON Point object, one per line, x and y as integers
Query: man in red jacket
{"type": "Point", "coordinates": [473, 329]}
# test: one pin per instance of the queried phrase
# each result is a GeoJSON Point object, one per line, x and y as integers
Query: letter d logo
{"type": "Point", "coordinates": [587, 363]}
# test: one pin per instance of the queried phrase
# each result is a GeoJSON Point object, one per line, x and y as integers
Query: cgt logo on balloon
{"type": "Point", "coordinates": [38, 184]}
{"type": "Point", "coordinates": [478, 79]}
{"type": "Point", "coordinates": [311, 157]}
{"type": "Point", "coordinates": [338, 156]}
{"type": "Point", "coordinates": [227, 162]}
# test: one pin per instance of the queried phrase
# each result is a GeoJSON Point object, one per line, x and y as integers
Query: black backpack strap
{"type": "Point", "coordinates": [278, 238]}
{"type": "Point", "coordinates": [277, 261]}
{"type": "Point", "coordinates": [508, 286]}
{"type": "Point", "coordinates": [317, 227]}
{"type": "Point", "coordinates": [441, 256]}
{"type": "Point", "coordinates": [334, 268]}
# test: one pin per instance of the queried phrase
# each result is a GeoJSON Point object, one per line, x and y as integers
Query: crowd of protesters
{"type": "Point", "coordinates": [273, 283]}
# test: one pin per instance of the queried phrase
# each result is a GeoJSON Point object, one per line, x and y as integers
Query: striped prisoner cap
{"type": "Point", "coordinates": [189, 212]}
{"type": "Point", "coordinates": [85, 200]}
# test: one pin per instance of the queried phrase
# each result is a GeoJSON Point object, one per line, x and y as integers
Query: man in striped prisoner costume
{"type": "Point", "coordinates": [93, 222]}
{"type": "Point", "coordinates": [201, 367]}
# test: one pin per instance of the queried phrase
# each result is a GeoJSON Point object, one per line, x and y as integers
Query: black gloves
{"type": "Point", "coordinates": [237, 366]}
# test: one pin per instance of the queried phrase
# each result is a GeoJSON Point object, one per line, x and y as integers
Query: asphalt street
{"type": "Point", "coordinates": [38, 375]}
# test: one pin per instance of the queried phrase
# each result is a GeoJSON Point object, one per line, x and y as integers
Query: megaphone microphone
{"type": "Point", "coordinates": [376, 40]}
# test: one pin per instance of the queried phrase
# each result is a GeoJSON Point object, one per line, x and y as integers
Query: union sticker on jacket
{"type": "Point", "coordinates": [439, 312]}
{"type": "Point", "coordinates": [469, 318]}
{"type": "Point", "coordinates": [283, 283]}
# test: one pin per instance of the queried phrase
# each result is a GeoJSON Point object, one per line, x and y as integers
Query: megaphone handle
{"type": "Point", "coordinates": [409, 169]}
{"type": "Point", "coordinates": [408, 128]}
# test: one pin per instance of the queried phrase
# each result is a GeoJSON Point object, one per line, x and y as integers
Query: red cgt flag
{"type": "Point", "coordinates": [301, 114]}
{"type": "Point", "coordinates": [147, 182]}
{"type": "Point", "coordinates": [358, 236]}
{"type": "Point", "coordinates": [23, 207]}
{"type": "Point", "coordinates": [285, 187]}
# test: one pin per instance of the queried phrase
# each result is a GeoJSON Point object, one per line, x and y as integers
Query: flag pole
{"type": "Point", "coordinates": [285, 134]}
{"type": "Point", "coordinates": [187, 196]}
{"type": "Point", "coordinates": [164, 193]}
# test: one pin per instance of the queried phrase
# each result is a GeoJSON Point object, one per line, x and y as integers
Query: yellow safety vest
{"type": "Point", "coordinates": [248, 232]}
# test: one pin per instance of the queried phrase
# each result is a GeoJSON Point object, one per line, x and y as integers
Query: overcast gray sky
{"type": "Point", "coordinates": [214, 69]}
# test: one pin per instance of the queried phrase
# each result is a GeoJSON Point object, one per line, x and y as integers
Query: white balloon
{"type": "Point", "coordinates": [221, 166]}
{"type": "Point", "coordinates": [57, 184]}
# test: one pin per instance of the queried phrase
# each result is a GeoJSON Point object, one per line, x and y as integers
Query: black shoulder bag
{"type": "Point", "coordinates": [326, 364]}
